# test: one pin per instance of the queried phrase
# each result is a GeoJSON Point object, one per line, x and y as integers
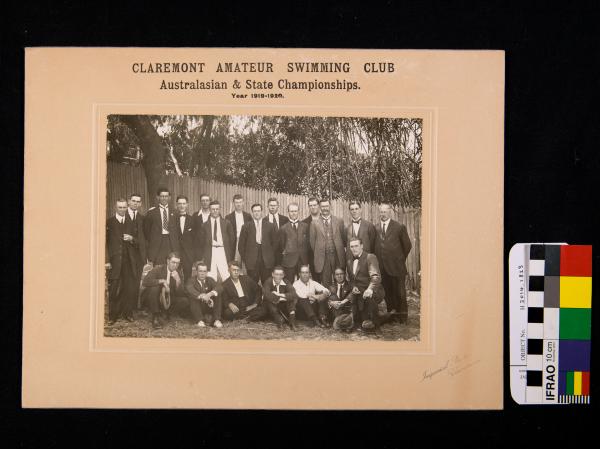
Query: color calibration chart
{"type": "Point", "coordinates": [550, 305]}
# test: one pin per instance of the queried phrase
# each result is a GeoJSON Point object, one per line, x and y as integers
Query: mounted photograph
{"type": "Point", "coordinates": [263, 227]}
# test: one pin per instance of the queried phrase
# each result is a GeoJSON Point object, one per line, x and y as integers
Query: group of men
{"type": "Point", "coordinates": [318, 268]}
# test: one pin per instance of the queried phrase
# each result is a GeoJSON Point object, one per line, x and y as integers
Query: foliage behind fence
{"type": "Point", "coordinates": [123, 180]}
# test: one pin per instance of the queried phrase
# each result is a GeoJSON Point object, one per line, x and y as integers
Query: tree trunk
{"type": "Point", "coordinates": [154, 151]}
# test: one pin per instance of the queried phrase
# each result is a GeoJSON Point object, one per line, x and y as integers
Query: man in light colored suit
{"type": "Point", "coordinates": [361, 228]}
{"type": "Point", "coordinates": [218, 243]}
{"type": "Point", "coordinates": [327, 240]}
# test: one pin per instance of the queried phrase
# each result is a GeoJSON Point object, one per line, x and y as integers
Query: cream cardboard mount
{"type": "Point", "coordinates": [457, 361]}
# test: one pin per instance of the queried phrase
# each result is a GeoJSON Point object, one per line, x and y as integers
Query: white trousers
{"type": "Point", "coordinates": [219, 270]}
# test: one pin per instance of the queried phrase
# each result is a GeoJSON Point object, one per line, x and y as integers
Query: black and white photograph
{"type": "Point", "coordinates": [263, 227]}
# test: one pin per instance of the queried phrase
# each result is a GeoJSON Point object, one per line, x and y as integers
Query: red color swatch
{"type": "Point", "coordinates": [585, 383]}
{"type": "Point", "coordinates": [576, 260]}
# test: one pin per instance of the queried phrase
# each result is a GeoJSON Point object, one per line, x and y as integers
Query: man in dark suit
{"type": "Point", "coordinates": [363, 272]}
{"type": "Point", "coordinates": [241, 294]}
{"type": "Point", "coordinates": [185, 232]}
{"type": "Point", "coordinates": [279, 298]}
{"type": "Point", "coordinates": [237, 218]}
{"type": "Point", "coordinates": [205, 298]}
{"type": "Point", "coordinates": [122, 264]}
{"type": "Point", "coordinates": [164, 286]}
{"type": "Point", "coordinates": [391, 248]}
{"type": "Point", "coordinates": [327, 240]}
{"type": "Point", "coordinates": [277, 221]}
{"type": "Point", "coordinates": [200, 217]}
{"type": "Point", "coordinates": [160, 229]}
{"type": "Point", "coordinates": [137, 220]}
{"type": "Point", "coordinates": [258, 240]}
{"type": "Point", "coordinates": [340, 301]}
{"type": "Point", "coordinates": [361, 228]}
{"type": "Point", "coordinates": [315, 214]}
{"type": "Point", "coordinates": [218, 243]}
{"type": "Point", "coordinates": [294, 244]}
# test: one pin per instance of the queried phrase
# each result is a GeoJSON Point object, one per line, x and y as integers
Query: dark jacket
{"type": "Point", "coordinates": [193, 289]}
{"type": "Point", "coordinates": [250, 287]}
{"type": "Point", "coordinates": [119, 251]}
{"type": "Point", "coordinates": [160, 272]}
{"type": "Point", "coordinates": [228, 240]}
{"type": "Point", "coordinates": [318, 241]}
{"type": "Point", "coordinates": [294, 244]}
{"type": "Point", "coordinates": [367, 265]}
{"type": "Point", "coordinates": [231, 218]}
{"type": "Point", "coordinates": [248, 247]}
{"type": "Point", "coordinates": [346, 289]}
{"type": "Point", "coordinates": [288, 290]}
{"type": "Point", "coordinates": [187, 246]}
{"type": "Point", "coordinates": [153, 231]}
{"type": "Point", "coordinates": [366, 232]}
{"type": "Point", "coordinates": [393, 249]}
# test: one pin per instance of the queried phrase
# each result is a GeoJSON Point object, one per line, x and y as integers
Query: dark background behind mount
{"type": "Point", "coordinates": [552, 137]}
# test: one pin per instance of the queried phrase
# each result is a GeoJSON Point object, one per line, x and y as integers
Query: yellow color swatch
{"type": "Point", "coordinates": [577, 383]}
{"type": "Point", "coordinates": [575, 292]}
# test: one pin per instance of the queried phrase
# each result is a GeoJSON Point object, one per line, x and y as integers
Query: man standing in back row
{"type": "Point", "coordinates": [294, 244]}
{"type": "Point", "coordinates": [218, 242]}
{"type": "Point", "coordinates": [160, 229]}
{"type": "Point", "coordinates": [392, 247]}
{"type": "Point", "coordinates": [277, 221]}
{"type": "Point", "coordinates": [327, 240]}
{"type": "Point", "coordinates": [237, 218]}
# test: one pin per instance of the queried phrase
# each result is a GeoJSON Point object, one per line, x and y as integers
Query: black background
{"type": "Point", "coordinates": [552, 135]}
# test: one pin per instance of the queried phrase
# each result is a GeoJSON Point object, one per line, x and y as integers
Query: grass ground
{"type": "Point", "coordinates": [182, 327]}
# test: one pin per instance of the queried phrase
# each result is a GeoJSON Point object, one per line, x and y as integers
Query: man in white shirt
{"type": "Point", "coordinates": [205, 298]}
{"type": "Point", "coordinates": [312, 298]}
{"type": "Point", "coordinates": [218, 243]}
{"type": "Point", "coordinates": [277, 221]}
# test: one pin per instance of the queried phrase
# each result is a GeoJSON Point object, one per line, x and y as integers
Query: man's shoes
{"type": "Point", "coordinates": [129, 318]}
{"type": "Point", "coordinates": [218, 324]}
{"type": "Point", "coordinates": [325, 322]}
{"type": "Point", "coordinates": [279, 326]}
{"type": "Point", "coordinates": [156, 323]}
{"type": "Point", "coordinates": [378, 332]}
{"type": "Point", "coordinates": [318, 323]}
{"type": "Point", "coordinates": [201, 324]}
{"type": "Point", "coordinates": [293, 323]}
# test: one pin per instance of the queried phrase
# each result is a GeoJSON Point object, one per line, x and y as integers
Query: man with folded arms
{"type": "Point", "coordinates": [312, 298]}
{"type": "Point", "coordinates": [163, 285]}
{"type": "Point", "coordinates": [280, 299]}
{"type": "Point", "coordinates": [364, 275]}
{"type": "Point", "coordinates": [205, 301]}
{"type": "Point", "coordinates": [240, 294]}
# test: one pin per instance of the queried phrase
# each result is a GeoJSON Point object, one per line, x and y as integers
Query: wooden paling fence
{"type": "Point", "coordinates": [123, 180]}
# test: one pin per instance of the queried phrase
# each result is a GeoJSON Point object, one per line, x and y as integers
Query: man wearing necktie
{"type": "Point", "coordinates": [122, 264]}
{"type": "Point", "coordinates": [205, 298]}
{"type": "Point", "coordinates": [237, 218]}
{"type": "Point", "coordinates": [136, 218]}
{"type": "Point", "coordinates": [164, 287]}
{"type": "Point", "coordinates": [278, 221]}
{"type": "Point", "coordinates": [160, 229]}
{"type": "Point", "coordinates": [392, 248]}
{"type": "Point", "coordinates": [327, 240]}
{"type": "Point", "coordinates": [258, 240]}
{"type": "Point", "coordinates": [361, 228]}
{"type": "Point", "coordinates": [185, 233]}
{"type": "Point", "coordinates": [294, 244]}
{"type": "Point", "coordinates": [218, 244]}
{"type": "Point", "coordinates": [340, 301]}
{"type": "Point", "coordinates": [364, 276]}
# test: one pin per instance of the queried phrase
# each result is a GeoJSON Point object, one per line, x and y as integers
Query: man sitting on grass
{"type": "Point", "coordinates": [205, 301]}
{"type": "Point", "coordinates": [312, 298]}
{"type": "Point", "coordinates": [280, 299]}
{"type": "Point", "coordinates": [340, 302]}
{"type": "Point", "coordinates": [163, 286]}
{"type": "Point", "coordinates": [240, 295]}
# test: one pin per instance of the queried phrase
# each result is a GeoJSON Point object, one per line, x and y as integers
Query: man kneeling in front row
{"type": "Point", "coordinates": [312, 298]}
{"type": "Point", "coordinates": [205, 301]}
{"type": "Point", "coordinates": [240, 295]}
{"type": "Point", "coordinates": [280, 299]}
{"type": "Point", "coordinates": [163, 285]}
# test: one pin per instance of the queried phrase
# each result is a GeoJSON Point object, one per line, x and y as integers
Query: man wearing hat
{"type": "Point", "coordinates": [163, 285]}
{"type": "Point", "coordinates": [365, 280]}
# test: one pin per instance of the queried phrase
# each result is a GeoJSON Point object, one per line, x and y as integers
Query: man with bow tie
{"type": "Point", "coordinates": [122, 264]}
{"type": "Point", "coordinates": [185, 233]}
{"type": "Point", "coordinates": [294, 244]}
{"type": "Point", "coordinates": [361, 228]}
{"type": "Point", "coordinates": [364, 275]}
{"type": "Point", "coordinates": [160, 229]}
{"type": "Point", "coordinates": [392, 247]}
